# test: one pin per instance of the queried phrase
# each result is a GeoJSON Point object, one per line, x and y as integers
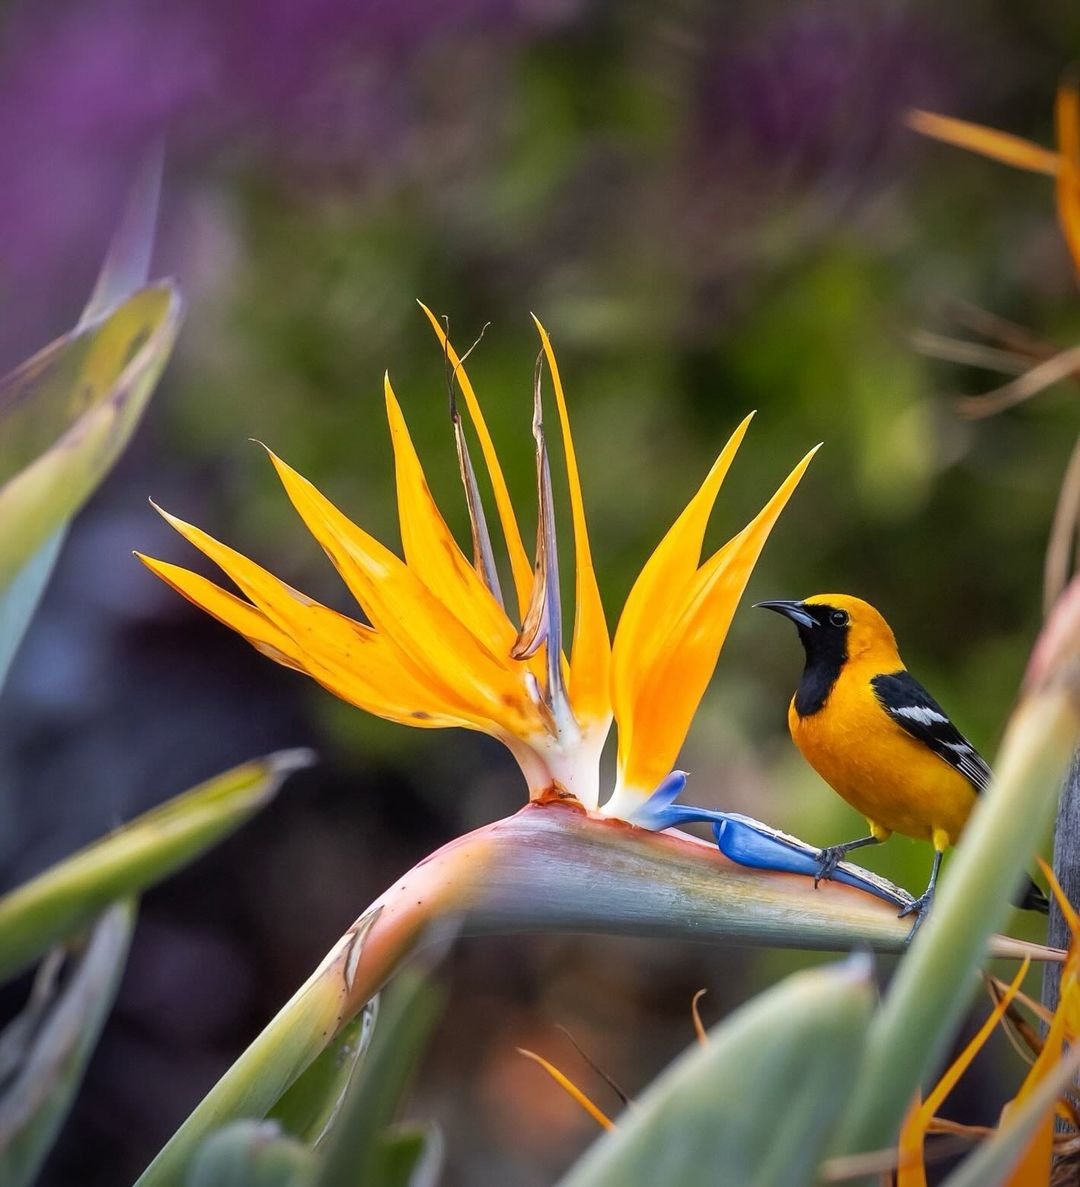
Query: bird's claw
{"type": "Point", "coordinates": [920, 908]}
{"type": "Point", "coordinates": [828, 860]}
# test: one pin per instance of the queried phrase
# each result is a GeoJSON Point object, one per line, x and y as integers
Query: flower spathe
{"type": "Point", "coordinates": [440, 647]}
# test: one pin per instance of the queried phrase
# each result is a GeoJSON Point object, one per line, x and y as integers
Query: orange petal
{"type": "Point", "coordinates": [1067, 119]}
{"type": "Point", "coordinates": [430, 548]}
{"type": "Point", "coordinates": [911, 1171]}
{"type": "Point", "coordinates": [345, 657]}
{"type": "Point", "coordinates": [590, 657]}
{"type": "Point", "coordinates": [438, 649]}
{"type": "Point", "coordinates": [659, 592]}
{"type": "Point", "coordinates": [519, 560]}
{"type": "Point", "coordinates": [987, 142]}
{"type": "Point", "coordinates": [571, 1089]}
{"type": "Point", "coordinates": [685, 655]}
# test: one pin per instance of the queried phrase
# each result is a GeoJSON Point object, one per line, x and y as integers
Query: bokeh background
{"type": "Point", "coordinates": [713, 208]}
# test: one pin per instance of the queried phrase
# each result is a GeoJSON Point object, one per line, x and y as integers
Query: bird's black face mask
{"type": "Point", "coordinates": [823, 632]}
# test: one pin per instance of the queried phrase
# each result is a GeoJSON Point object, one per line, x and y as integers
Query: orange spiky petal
{"type": "Point", "coordinates": [1067, 121]}
{"type": "Point", "coordinates": [987, 142]}
{"type": "Point", "coordinates": [571, 1089]}
{"type": "Point", "coordinates": [685, 648]}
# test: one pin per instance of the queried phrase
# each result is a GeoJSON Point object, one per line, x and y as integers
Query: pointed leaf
{"type": "Point", "coordinates": [127, 264]}
{"type": "Point", "coordinates": [65, 897]}
{"type": "Point", "coordinates": [756, 1105]}
{"type": "Point", "coordinates": [44, 1062]}
{"type": "Point", "coordinates": [67, 413]}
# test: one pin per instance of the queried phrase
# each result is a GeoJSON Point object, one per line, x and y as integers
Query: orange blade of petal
{"type": "Point", "coordinates": [438, 649]}
{"type": "Point", "coordinates": [659, 592]}
{"type": "Point", "coordinates": [520, 567]}
{"type": "Point", "coordinates": [590, 656]}
{"type": "Point", "coordinates": [344, 656]}
{"type": "Point", "coordinates": [685, 657]}
{"type": "Point", "coordinates": [430, 548]}
{"type": "Point", "coordinates": [1067, 120]}
{"type": "Point", "coordinates": [228, 609]}
{"type": "Point", "coordinates": [571, 1089]}
{"type": "Point", "coordinates": [1034, 1164]}
{"type": "Point", "coordinates": [912, 1172]}
{"type": "Point", "coordinates": [910, 1165]}
{"type": "Point", "coordinates": [987, 142]}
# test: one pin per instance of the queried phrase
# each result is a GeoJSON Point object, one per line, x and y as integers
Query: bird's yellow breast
{"type": "Point", "coordinates": [895, 781]}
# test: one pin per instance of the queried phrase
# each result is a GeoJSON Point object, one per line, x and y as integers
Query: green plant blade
{"type": "Point", "coordinates": [67, 413]}
{"type": "Point", "coordinates": [354, 1150]}
{"type": "Point", "coordinates": [251, 1154]}
{"type": "Point", "coordinates": [45, 1052]}
{"type": "Point", "coordinates": [309, 1107]}
{"type": "Point", "coordinates": [20, 600]}
{"type": "Point", "coordinates": [756, 1106]}
{"type": "Point", "coordinates": [63, 898]}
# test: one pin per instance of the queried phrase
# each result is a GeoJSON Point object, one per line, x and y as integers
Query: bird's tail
{"type": "Point", "coordinates": [1030, 898]}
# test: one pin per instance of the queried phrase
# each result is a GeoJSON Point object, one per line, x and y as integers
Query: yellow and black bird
{"type": "Point", "coordinates": [878, 738]}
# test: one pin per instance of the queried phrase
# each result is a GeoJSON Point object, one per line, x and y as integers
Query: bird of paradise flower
{"type": "Point", "coordinates": [442, 645]}
{"type": "Point", "coordinates": [442, 648]}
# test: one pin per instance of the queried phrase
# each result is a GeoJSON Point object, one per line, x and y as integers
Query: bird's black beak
{"type": "Point", "coordinates": [796, 611]}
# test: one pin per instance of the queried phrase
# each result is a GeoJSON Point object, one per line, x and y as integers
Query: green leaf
{"type": "Point", "coordinates": [757, 1105]}
{"type": "Point", "coordinates": [44, 1052]}
{"type": "Point", "coordinates": [19, 601]}
{"type": "Point", "coordinates": [251, 1154]}
{"type": "Point", "coordinates": [353, 1151]}
{"type": "Point", "coordinates": [410, 1155]}
{"type": "Point", "coordinates": [67, 896]}
{"type": "Point", "coordinates": [67, 413]}
{"type": "Point", "coordinates": [311, 1104]}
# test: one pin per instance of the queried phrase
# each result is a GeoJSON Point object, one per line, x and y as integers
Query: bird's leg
{"type": "Point", "coordinates": [920, 908]}
{"type": "Point", "coordinates": [830, 858]}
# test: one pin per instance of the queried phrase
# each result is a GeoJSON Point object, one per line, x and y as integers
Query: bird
{"type": "Point", "coordinates": [879, 739]}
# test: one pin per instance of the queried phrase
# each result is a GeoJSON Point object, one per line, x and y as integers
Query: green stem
{"type": "Point", "coordinates": [554, 868]}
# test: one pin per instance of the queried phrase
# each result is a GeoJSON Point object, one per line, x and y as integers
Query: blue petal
{"type": "Point", "coordinates": [748, 842]}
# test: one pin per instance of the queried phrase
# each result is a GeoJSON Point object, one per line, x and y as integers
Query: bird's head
{"type": "Point", "coordinates": [839, 627]}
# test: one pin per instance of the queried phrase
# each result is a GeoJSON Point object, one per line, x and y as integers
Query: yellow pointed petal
{"type": "Point", "coordinates": [229, 610]}
{"type": "Point", "coordinates": [571, 1089]}
{"type": "Point", "coordinates": [1067, 119]}
{"type": "Point", "coordinates": [685, 655]}
{"type": "Point", "coordinates": [590, 656]}
{"type": "Point", "coordinates": [520, 566]}
{"type": "Point", "coordinates": [987, 142]}
{"type": "Point", "coordinates": [430, 548]}
{"type": "Point", "coordinates": [659, 592]}
{"type": "Point", "coordinates": [344, 656]}
{"type": "Point", "coordinates": [435, 646]}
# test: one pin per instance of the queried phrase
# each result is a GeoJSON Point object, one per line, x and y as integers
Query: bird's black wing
{"type": "Point", "coordinates": [915, 710]}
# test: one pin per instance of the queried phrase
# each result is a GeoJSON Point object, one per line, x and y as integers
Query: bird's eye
{"type": "Point", "coordinates": [839, 618]}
